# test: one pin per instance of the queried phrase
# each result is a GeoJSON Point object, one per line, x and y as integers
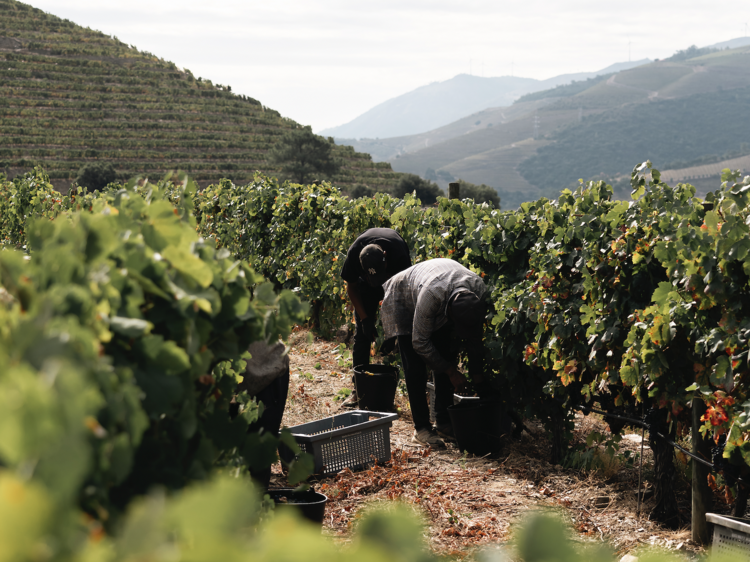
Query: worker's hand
{"type": "Point", "coordinates": [368, 328]}
{"type": "Point", "coordinates": [387, 346]}
{"type": "Point", "coordinates": [457, 379]}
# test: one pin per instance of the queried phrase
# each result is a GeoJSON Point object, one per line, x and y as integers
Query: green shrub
{"type": "Point", "coordinates": [304, 156]}
{"type": "Point", "coordinates": [172, 317]}
{"type": "Point", "coordinates": [296, 236]}
{"type": "Point", "coordinates": [96, 176]}
{"type": "Point", "coordinates": [479, 193]}
{"type": "Point", "coordinates": [26, 196]}
{"type": "Point", "coordinates": [361, 190]}
{"type": "Point", "coordinates": [424, 190]}
{"type": "Point", "coordinates": [222, 519]}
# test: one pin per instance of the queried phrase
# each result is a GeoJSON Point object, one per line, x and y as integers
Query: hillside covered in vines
{"type": "Point", "coordinates": [71, 96]}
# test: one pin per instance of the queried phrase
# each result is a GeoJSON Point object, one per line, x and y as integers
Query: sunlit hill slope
{"type": "Point", "coordinates": [70, 95]}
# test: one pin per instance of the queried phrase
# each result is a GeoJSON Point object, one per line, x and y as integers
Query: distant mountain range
{"type": "Point", "coordinates": [731, 44]}
{"type": "Point", "coordinates": [441, 103]}
{"type": "Point", "coordinates": [689, 114]}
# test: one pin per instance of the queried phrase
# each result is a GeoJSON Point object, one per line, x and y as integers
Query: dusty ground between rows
{"type": "Point", "coordinates": [473, 502]}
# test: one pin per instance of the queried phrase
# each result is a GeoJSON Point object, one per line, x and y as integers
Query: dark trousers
{"type": "Point", "coordinates": [274, 400]}
{"type": "Point", "coordinates": [415, 371]}
{"type": "Point", "coordinates": [370, 297]}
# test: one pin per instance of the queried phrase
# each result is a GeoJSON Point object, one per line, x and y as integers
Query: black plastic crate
{"type": "Point", "coordinates": [352, 440]}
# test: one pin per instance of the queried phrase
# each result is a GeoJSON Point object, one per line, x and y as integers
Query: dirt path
{"type": "Point", "coordinates": [470, 502]}
{"type": "Point", "coordinates": [611, 82]}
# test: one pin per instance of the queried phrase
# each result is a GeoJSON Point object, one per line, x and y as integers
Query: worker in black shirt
{"type": "Point", "coordinates": [376, 256]}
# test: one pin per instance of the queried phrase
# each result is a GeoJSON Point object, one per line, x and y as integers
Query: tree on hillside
{"type": "Point", "coordinates": [96, 175]}
{"type": "Point", "coordinates": [361, 190]}
{"type": "Point", "coordinates": [426, 191]}
{"type": "Point", "coordinates": [690, 53]}
{"type": "Point", "coordinates": [303, 156]}
{"type": "Point", "coordinates": [479, 193]}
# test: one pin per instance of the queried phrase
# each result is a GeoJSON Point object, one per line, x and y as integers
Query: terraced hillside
{"type": "Point", "coordinates": [70, 95]}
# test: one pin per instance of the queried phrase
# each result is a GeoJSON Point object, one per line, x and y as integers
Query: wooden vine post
{"type": "Point", "coordinates": [454, 189]}
{"type": "Point", "coordinates": [701, 493]}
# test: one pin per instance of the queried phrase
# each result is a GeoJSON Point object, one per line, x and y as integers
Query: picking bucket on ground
{"type": "Point", "coordinates": [457, 399]}
{"type": "Point", "coordinates": [376, 387]}
{"type": "Point", "coordinates": [480, 426]}
{"type": "Point", "coordinates": [310, 504]}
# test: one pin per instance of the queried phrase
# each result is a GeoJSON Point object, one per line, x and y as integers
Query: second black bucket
{"type": "Point", "coordinates": [310, 504]}
{"type": "Point", "coordinates": [480, 426]}
{"type": "Point", "coordinates": [376, 387]}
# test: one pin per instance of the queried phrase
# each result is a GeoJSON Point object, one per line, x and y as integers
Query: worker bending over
{"type": "Point", "coordinates": [433, 308]}
{"type": "Point", "coordinates": [374, 257]}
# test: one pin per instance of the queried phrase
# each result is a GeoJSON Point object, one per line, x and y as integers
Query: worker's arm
{"type": "Point", "coordinates": [353, 292]}
{"type": "Point", "coordinates": [458, 380]}
{"type": "Point", "coordinates": [425, 317]}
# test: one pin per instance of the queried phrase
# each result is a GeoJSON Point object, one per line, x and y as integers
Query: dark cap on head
{"type": "Point", "coordinates": [467, 313]}
{"type": "Point", "coordinates": [372, 258]}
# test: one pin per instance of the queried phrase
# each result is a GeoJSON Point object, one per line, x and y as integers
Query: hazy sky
{"type": "Point", "coordinates": [324, 62]}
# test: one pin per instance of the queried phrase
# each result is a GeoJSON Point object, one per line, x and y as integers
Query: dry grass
{"type": "Point", "coordinates": [471, 502]}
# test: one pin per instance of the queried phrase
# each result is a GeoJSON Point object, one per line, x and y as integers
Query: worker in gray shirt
{"type": "Point", "coordinates": [431, 307]}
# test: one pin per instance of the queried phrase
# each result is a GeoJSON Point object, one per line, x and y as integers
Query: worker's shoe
{"type": "Point", "coordinates": [428, 437]}
{"type": "Point", "coordinates": [351, 403]}
{"type": "Point", "coordinates": [445, 430]}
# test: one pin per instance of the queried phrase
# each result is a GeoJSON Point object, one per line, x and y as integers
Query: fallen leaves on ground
{"type": "Point", "coordinates": [472, 502]}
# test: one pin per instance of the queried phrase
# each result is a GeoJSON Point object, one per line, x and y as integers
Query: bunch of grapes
{"type": "Point", "coordinates": [730, 471]}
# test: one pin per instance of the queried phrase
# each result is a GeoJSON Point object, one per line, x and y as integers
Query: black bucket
{"type": "Point", "coordinates": [457, 399]}
{"type": "Point", "coordinates": [310, 504]}
{"type": "Point", "coordinates": [480, 426]}
{"type": "Point", "coordinates": [376, 387]}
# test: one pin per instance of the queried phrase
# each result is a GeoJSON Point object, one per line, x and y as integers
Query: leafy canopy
{"type": "Point", "coordinates": [304, 156]}
{"type": "Point", "coordinates": [96, 175]}
{"type": "Point", "coordinates": [424, 190]}
{"type": "Point", "coordinates": [479, 193]}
